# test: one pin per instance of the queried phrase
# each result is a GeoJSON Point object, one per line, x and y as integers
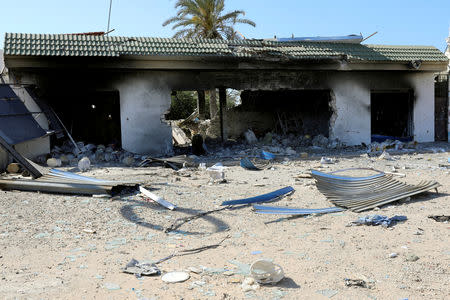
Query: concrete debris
{"type": "Point", "coordinates": [326, 160]}
{"type": "Point", "coordinates": [440, 218]}
{"type": "Point", "coordinates": [217, 172]}
{"type": "Point", "coordinates": [54, 162]}
{"type": "Point", "coordinates": [357, 282]}
{"type": "Point", "coordinates": [13, 168]}
{"type": "Point", "coordinates": [249, 284]}
{"type": "Point", "coordinates": [84, 164]}
{"type": "Point", "coordinates": [141, 268]}
{"type": "Point", "coordinates": [179, 137]}
{"type": "Point", "coordinates": [320, 141]}
{"type": "Point", "coordinates": [174, 277]}
{"type": "Point", "coordinates": [386, 156]}
{"type": "Point", "coordinates": [375, 220]}
{"type": "Point", "coordinates": [250, 137]}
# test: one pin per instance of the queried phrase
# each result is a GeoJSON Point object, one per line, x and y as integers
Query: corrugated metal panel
{"type": "Point", "coordinates": [16, 123]}
{"type": "Point", "coordinates": [111, 46]}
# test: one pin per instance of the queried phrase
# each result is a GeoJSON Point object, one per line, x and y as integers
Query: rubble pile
{"type": "Point", "coordinates": [86, 155]}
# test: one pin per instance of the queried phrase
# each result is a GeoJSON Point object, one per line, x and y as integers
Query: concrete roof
{"type": "Point", "coordinates": [70, 45]}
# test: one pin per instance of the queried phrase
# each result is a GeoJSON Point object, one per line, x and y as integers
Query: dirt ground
{"type": "Point", "coordinates": [48, 250]}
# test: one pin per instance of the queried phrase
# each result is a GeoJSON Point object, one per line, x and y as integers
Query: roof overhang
{"type": "Point", "coordinates": [337, 63]}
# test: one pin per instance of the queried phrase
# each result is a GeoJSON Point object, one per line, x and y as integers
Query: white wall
{"type": "Point", "coordinates": [352, 96]}
{"type": "Point", "coordinates": [144, 98]}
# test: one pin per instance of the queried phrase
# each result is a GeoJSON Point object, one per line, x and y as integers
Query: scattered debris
{"type": "Point", "coordinates": [13, 168]}
{"type": "Point", "coordinates": [157, 199]}
{"type": "Point", "coordinates": [247, 164]}
{"type": "Point", "coordinates": [294, 211]}
{"type": "Point", "coordinates": [357, 282]}
{"type": "Point", "coordinates": [326, 160]}
{"type": "Point", "coordinates": [412, 258]}
{"type": "Point", "coordinates": [217, 172]}
{"type": "Point", "coordinates": [54, 162]}
{"type": "Point", "coordinates": [84, 164]}
{"type": "Point", "coordinates": [267, 155]}
{"type": "Point", "coordinates": [386, 156]}
{"type": "Point", "coordinates": [249, 284]}
{"type": "Point", "coordinates": [179, 136]}
{"type": "Point", "coordinates": [441, 218]}
{"type": "Point", "coordinates": [363, 193]}
{"type": "Point", "coordinates": [262, 198]}
{"type": "Point", "coordinates": [141, 268]}
{"type": "Point", "coordinates": [375, 220]}
{"type": "Point", "coordinates": [173, 277]}
{"type": "Point", "coordinates": [250, 137]}
{"type": "Point", "coordinates": [28, 165]}
{"type": "Point", "coordinates": [264, 271]}
{"type": "Point", "coordinates": [178, 222]}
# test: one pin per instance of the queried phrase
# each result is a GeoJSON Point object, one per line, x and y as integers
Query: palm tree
{"type": "Point", "coordinates": [206, 19]}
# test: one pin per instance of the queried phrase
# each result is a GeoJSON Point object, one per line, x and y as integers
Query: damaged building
{"type": "Point", "coordinates": [110, 89]}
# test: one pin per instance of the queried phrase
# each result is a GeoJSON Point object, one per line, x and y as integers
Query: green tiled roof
{"type": "Point", "coordinates": [21, 44]}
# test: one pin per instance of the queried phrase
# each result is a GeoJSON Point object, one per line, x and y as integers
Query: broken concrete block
{"type": "Point", "coordinates": [84, 164]}
{"type": "Point", "coordinates": [250, 137]}
{"type": "Point", "coordinates": [13, 168]}
{"type": "Point", "coordinates": [290, 151]}
{"type": "Point", "coordinates": [128, 161]}
{"type": "Point", "coordinates": [320, 141]}
{"type": "Point", "coordinates": [54, 162]}
{"type": "Point", "coordinates": [179, 136]}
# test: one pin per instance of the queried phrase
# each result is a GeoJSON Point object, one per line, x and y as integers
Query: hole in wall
{"type": "Point", "coordinates": [391, 115]}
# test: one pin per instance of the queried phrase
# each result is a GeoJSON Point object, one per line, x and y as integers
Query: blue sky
{"type": "Point", "coordinates": [398, 22]}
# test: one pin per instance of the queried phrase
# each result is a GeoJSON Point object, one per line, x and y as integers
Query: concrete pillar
{"type": "Point", "coordinates": [144, 99]}
{"type": "Point", "coordinates": [201, 104]}
{"type": "Point", "coordinates": [352, 112]}
{"type": "Point", "coordinates": [222, 109]}
{"type": "Point", "coordinates": [423, 117]}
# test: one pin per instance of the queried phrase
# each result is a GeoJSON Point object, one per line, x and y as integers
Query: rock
{"type": "Point", "coordinates": [385, 155]}
{"type": "Point", "coordinates": [64, 159]}
{"type": "Point", "coordinates": [320, 141]}
{"type": "Point", "coordinates": [249, 284]}
{"type": "Point", "coordinates": [267, 140]}
{"type": "Point", "coordinates": [13, 168]}
{"type": "Point", "coordinates": [128, 161]}
{"type": "Point", "coordinates": [326, 160]}
{"type": "Point", "coordinates": [84, 164]}
{"type": "Point", "coordinates": [290, 151]}
{"type": "Point", "coordinates": [412, 258]}
{"type": "Point", "coordinates": [54, 162]}
{"type": "Point", "coordinates": [303, 155]}
{"type": "Point", "coordinates": [393, 255]}
{"type": "Point", "coordinates": [250, 137]}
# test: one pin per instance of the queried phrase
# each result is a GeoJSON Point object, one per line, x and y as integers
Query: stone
{"type": "Point", "coordinates": [54, 162]}
{"type": "Point", "coordinates": [13, 168]}
{"type": "Point", "coordinates": [303, 155]}
{"type": "Point", "coordinates": [393, 255]}
{"type": "Point", "coordinates": [320, 141]}
{"type": "Point", "coordinates": [64, 159]}
{"type": "Point", "coordinates": [290, 151]}
{"type": "Point", "coordinates": [250, 137]}
{"type": "Point", "coordinates": [84, 164]}
{"type": "Point", "coordinates": [128, 161]}
{"type": "Point", "coordinates": [412, 258]}
{"type": "Point", "coordinates": [267, 140]}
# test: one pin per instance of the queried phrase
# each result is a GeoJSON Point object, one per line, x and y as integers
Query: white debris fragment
{"type": "Point", "coordinates": [54, 162]}
{"type": "Point", "coordinates": [84, 164]}
{"type": "Point", "coordinates": [326, 160]}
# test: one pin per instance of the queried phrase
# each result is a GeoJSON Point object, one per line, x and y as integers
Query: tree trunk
{"type": "Point", "coordinates": [212, 103]}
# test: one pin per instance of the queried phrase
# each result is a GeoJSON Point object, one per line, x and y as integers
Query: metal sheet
{"type": "Point", "coordinates": [17, 125]}
{"type": "Point", "coordinates": [261, 198]}
{"type": "Point", "coordinates": [362, 193]}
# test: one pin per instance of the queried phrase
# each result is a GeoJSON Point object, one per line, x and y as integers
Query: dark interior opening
{"type": "Point", "coordinates": [294, 111]}
{"type": "Point", "coordinates": [91, 117]}
{"type": "Point", "coordinates": [391, 116]}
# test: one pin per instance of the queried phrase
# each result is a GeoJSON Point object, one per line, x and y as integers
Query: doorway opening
{"type": "Point", "coordinates": [391, 115]}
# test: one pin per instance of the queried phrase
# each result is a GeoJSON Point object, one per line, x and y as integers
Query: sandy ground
{"type": "Point", "coordinates": [47, 252]}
